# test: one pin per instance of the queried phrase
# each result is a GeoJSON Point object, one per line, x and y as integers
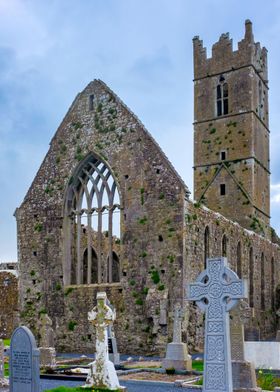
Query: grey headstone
{"type": "Point", "coordinates": [217, 291]}
{"type": "Point", "coordinates": [24, 362]}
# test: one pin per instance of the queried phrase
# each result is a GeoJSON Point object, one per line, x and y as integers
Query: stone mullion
{"type": "Point", "coordinates": [89, 251]}
{"type": "Point", "coordinates": [110, 239]}
{"type": "Point", "coordinates": [99, 244]}
{"type": "Point", "coordinates": [79, 224]}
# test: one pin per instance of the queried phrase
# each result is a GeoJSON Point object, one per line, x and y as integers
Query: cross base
{"type": "Point", "coordinates": [177, 357]}
{"type": "Point", "coordinates": [244, 377]}
{"type": "Point", "coordinates": [103, 377]}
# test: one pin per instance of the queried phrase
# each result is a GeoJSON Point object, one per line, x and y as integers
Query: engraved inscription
{"type": "Point", "coordinates": [21, 363]}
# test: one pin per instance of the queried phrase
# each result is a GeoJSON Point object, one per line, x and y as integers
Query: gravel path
{"type": "Point", "coordinates": [132, 386]}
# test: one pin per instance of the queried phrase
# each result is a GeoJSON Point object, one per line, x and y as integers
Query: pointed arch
{"type": "Point", "coordinates": [272, 283]}
{"type": "Point", "coordinates": [206, 244]}
{"type": "Point", "coordinates": [262, 283]}
{"type": "Point", "coordinates": [251, 278]}
{"type": "Point", "coordinates": [115, 268]}
{"type": "Point", "coordinates": [239, 260]}
{"type": "Point", "coordinates": [224, 246]}
{"type": "Point", "coordinates": [92, 200]}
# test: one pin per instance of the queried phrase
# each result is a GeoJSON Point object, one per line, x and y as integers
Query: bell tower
{"type": "Point", "coordinates": [231, 131]}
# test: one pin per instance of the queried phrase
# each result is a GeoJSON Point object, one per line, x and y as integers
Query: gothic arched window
{"type": "Point", "coordinates": [239, 260]}
{"type": "Point", "coordinates": [92, 220]}
{"type": "Point", "coordinates": [224, 246]}
{"type": "Point", "coordinates": [272, 283]}
{"type": "Point", "coordinates": [206, 244]}
{"type": "Point", "coordinates": [262, 283]}
{"type": "Point", "coordinates": [222, 98]}
{"type": "Point", "coordinates": [251, 278]}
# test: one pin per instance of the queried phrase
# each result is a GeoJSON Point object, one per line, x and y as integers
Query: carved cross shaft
{"type": "Point", "coordinates": [101, 317]}
{"type": "Point", "coordinates": [239, 316]}
{"type": "Point", "coordinates": [177, 324]}
{"type": "Point", "coordinates": [216, 291]}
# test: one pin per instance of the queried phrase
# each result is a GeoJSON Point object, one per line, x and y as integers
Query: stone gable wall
{"type": "Point", "coordinates": [152, 222]}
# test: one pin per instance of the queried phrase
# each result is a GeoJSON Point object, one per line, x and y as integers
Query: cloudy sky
{"type": "Point", "coordinates": [51, 49]}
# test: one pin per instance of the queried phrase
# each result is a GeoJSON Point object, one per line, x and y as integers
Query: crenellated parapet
{"type": "Point", "coordinates": [249, 53]}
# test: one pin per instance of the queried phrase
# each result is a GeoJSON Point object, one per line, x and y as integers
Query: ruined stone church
{"type": "Point", "coordinates": [107, 211]}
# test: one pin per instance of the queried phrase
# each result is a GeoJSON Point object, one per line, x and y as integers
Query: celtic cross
{"type": "Point", "coordinates": [101, 317]}
{"type": "Point", "coordinates": [217, 291]}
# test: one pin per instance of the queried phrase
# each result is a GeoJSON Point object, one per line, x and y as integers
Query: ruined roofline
{"type": "Point", "coordinates": [104, 85]}
{"type": "Point", "coordinates": [147, 132]}
{"type": "Point", "coordinates": [224, 58]}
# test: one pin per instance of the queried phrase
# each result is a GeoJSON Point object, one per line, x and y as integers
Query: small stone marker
{"type": "Point", "coordinates": [102, 373]}
{"type": "Point", "coordinates": [243, 372]}
{"type": "Point", "coordinates": [24, 362]}
{"type": "Point", "coordinates": [177, 356]}
{"type": "Point", "coordinates": [114, 356]}
{"type": "Point", "coordinates": [216, 291]}
{"type": "Point", "coordinates": [47, 350]}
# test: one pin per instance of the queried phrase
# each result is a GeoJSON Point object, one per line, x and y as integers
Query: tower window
{"type": "Point", "coordinates": [222, 99]}
{"type": "Point", "coordinates": [260, 106]}
{"type": "Point", "coordinates": [222, 189]}
{"type": "Point", "coordinates": [223, 155]}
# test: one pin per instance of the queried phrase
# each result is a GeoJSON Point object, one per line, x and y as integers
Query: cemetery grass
{"type": "Point", "coordinates": [7, 342]}
{"type": "Point", "coordinates": [197, 365]}
{"type": "Point", "coordinates": [267, 381]}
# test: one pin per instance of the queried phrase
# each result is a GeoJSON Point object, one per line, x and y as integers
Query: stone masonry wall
{"type": "Point", "coordinates": [152, 224]}
{"type": "Point", "coordinates": [197, 219]}
{"type": "Point", "coordinates": [9, 319]}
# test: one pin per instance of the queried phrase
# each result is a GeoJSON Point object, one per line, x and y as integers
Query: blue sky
{"type": "Point", "coordinates": [51, 49]}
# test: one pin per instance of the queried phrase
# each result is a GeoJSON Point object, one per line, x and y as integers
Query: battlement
{"type": "Point", "coordinates": [224, 58]}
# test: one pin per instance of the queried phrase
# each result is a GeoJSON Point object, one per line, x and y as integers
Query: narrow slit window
{"type": "Point", "coordinates": [91, 102]}
{"type": "Point", "coordinates": [222, 189]}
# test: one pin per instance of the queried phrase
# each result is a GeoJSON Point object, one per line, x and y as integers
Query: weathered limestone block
{"type": "Point", "coordinates": [156, 305]}
{"type": "Point", "coordinates": [47, 350]}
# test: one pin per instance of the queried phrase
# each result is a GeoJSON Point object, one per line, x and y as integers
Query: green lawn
{"type": "Point", "coordinates": [197, 365]}
{"type": "Point", "coordinates": [7, 342]}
